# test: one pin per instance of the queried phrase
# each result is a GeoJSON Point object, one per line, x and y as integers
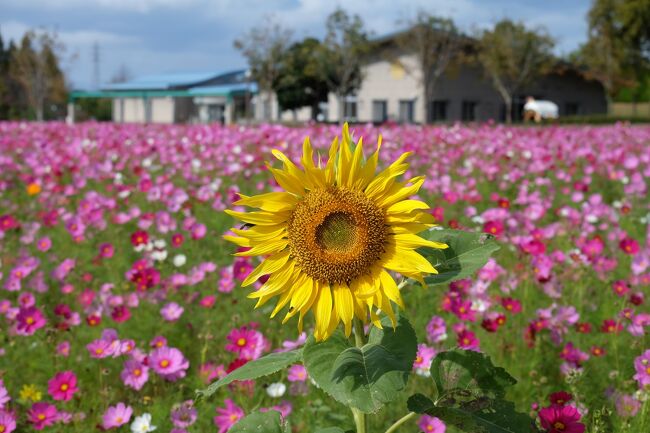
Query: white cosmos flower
{"type": "Point", "coordinates": [142, 424]}
{"type": "Point", "coordinates": [276, 390]}
{"type": "Point", "coordinates": [179, 260]}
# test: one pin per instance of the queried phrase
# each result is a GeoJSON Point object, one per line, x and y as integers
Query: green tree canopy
{"type": "Point", "coordinates": [513, 56]}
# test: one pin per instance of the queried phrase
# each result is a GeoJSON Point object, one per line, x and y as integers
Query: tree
{"type": "Point", "coordinates": [300, 82]}
{"type": "Point", "coordinates": [341, 56]}
{"type": "Point", "coordinates": [264, 47]}
{"type": "Point", "coordinates": [35, 65]}
{"type": "Point", "coordinates": [437, 43]}
{"type": "Point", "coordinates": [513, 56]}
{"type": "Point", "coordinates": [604, 52]}
{"type": "Point", "coordinates": [617, 52]}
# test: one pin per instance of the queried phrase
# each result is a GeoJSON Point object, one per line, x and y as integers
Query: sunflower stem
{"type": "Point", "coordinates": [400, 421]}
{"type": "Point", "coordinates": [359, 340]}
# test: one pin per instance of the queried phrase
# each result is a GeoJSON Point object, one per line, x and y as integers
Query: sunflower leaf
{"type": "Point", "coordinates": [368, 377]}
{"type": "Point", "coordinates": [476, 416]}
{"type": "Point", "coordinates": [469, 374]}
{"type": "Point", "coordinates": [264, 366]}
{"type": "Point", "coordinates": [469, 395]}
{"type": "Point", "coordinates": [467, 252]}
{"type": "Point", "coordinates": [261, 422]}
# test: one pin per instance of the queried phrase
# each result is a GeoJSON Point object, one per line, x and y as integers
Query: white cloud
{"type": "Point", "coordinates": [142, 6]}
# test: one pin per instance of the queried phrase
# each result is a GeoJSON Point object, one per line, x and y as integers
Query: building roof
{"type": "Point", "coordinates": [181, 84]}
{"type": "Point", "coordinates": [178, 80]}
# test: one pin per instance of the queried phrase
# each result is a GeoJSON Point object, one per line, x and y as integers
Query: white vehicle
{"type": "Point", "coordinates": [539, 110]}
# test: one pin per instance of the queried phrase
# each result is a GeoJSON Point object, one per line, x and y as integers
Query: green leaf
{"type": "Point", "coordinates": [330, 430]}
{"type": "Point", "coordinates": [482, 415]}
{"type": "Point", "coordinates": [260, 422]}
{"type": "Point", "coordinates": [469, 395]}
{"type": "Point", "coordinates": [264, 366]}
{"type": "Point", "coordinates": [465, 374]}
{"type": "Point", "coordinates": [467, 252]}
{"type": "Point", "coordinates": [365, 378]}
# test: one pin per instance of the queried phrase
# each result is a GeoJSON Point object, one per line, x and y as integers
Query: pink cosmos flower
{"type": "Point", "coordinates": [511, 305]}
{"type": "Point", "coordinates": [436, 330]}
{"type": "Point", "coordinates": [227, 416]}
{"type": "Point", "coordinates": [44, 244]}
{"type": "Point", "coordinates": [184, 414]}
{"type": "Point", "coordinates": [629, 246]}
{"type": "Point", "coordinates": [134, 374]}
{"type": "Point", "coordinates": [468, 340]}
{"type": "Point", "coordinates": [642, 367]}
{"type": "Point", "coordinates": [284, 408]}
{"type": "Point", "coordinates": [561, 419]}
{"type": "Point", "coordinates": [29, 320]}
{"type": "Point", "coordinates": [106, 250]}
{"type": "Point", "coordinates": [241, 268]}
{"type": "Point", "coordinates": [7, 422]}
{"type": "Point", "coordinates": [171, 312]}
{"type": "Point", "coordinates": [627, 406]}
{"type": "Point", "coordinates": [169, 363]}
{"type": "Point", "coordinates": [42, 415]}
{"type": "Point", "coordinates": [63, 385]}
{"type": "Point", "coordinates": [423, 359]}
{"type": "Point", "coordinates": [63, 349]}
{"type": "Point", "coordinates": [247, 343]}
{"type": "Point", "coordinates": [297, 373]}
{"type": "Point", "coordinates": [158, 341]}
{"type": "Point", "coordinates": [431, 424]}
{"type": "Point", "coordinates": [560, 398]}
{"type": "Point", "coordinates": [116, 416]}
{"type": "Point", "coordinates": [4, 395]}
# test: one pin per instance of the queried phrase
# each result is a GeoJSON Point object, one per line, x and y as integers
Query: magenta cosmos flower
{"type": "Point", "coordinates": [561, 419]}
{"type": "Point", "coordinates": [297, 373]}
{"type": "Point", "coordinates": [642, 367]}
{"type": "Point", "coordinates": [42, 415]}
{"type": "Point", "coordinates": [4, 395]}
{"type": "Point", "coordinates": [228, 416]}
{"type": "Point", "coordinates": [135, 374]}
{"type": "Point", "coordinates": [63, 386]}
{"type": "Point", "coordinates": [169, 363]}
{"type": "Point", "coordinates": [245, 342]}
{"type": "Point", "coordinates": [29, 320]}
{"type": "Point", "coordinates": [117, 415]}
{"type": "Point", "coordinates": [431, 424]}
{"type": "Point", "coordinates": [7, 422]}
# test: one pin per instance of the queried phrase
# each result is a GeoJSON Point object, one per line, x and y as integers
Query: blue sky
{"type": "Point", "coordinates": [156, 36]}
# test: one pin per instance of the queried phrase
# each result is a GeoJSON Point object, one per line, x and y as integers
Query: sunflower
{"type": "Point", "coordinates": [332, 236]}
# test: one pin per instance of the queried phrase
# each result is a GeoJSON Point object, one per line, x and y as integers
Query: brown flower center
{"type": "Point", "coordinates": [336, 234]}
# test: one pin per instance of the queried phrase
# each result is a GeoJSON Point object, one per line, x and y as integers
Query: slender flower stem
{"type": "Point", "coordinates": [359, 340]}
{"type": "Point", "coordinates": [401, 421]}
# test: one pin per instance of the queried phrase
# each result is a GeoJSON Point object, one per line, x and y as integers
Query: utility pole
{"type": "Point", "coordinates": [96, 60]}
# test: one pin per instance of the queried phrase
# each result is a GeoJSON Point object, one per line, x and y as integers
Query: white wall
{"type": "Point", "coordinates": [162, 110]}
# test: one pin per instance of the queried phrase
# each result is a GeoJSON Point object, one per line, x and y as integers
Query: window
{"type": "Point", "coordinates": [406, 111]}
{"type": "Point", "coordinates": [379, 111]}
{"type": "Point", "coordinates": [438, 110]}
{"type": "Point", "coordinates": [350, 108]}
{"type": "Point", "coordinates": [571, 109]}
{"type": "Point", "coordinates": [468, 113]}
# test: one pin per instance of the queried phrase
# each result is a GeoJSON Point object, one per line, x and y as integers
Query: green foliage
{"type": "Point", "coordinates": [264, 366]}
{"type": "Point", "coordinates": [341, 56]}
{"type": "Point", "coordinates": [368, 377]}
{"type": "Point", "coordinates": [467, 253]}
{"type": "Point", "coordinates": [469, 395]}
{"type": "Point", "coordinates": [513, 56]}
{"type": "Point", "coordinates": [301, 82]}
{"type": "Point", "coordinates": [258, 422]}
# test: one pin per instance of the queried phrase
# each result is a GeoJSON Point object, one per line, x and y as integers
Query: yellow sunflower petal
{"type": "Point", "coordinates": [270, 202]}
{"type": "Point", "coordinates": [343, 304]}
{"type": "Point", "coordinates": [268, 266]}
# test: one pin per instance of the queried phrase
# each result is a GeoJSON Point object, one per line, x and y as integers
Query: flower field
{"type": "Point", "coordinates": [119, 296]}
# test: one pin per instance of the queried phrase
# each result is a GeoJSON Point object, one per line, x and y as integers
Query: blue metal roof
{"type": "Point", "coordinates": [224, 89]}
{"type": "Point", "coordinates": [165, 81]}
